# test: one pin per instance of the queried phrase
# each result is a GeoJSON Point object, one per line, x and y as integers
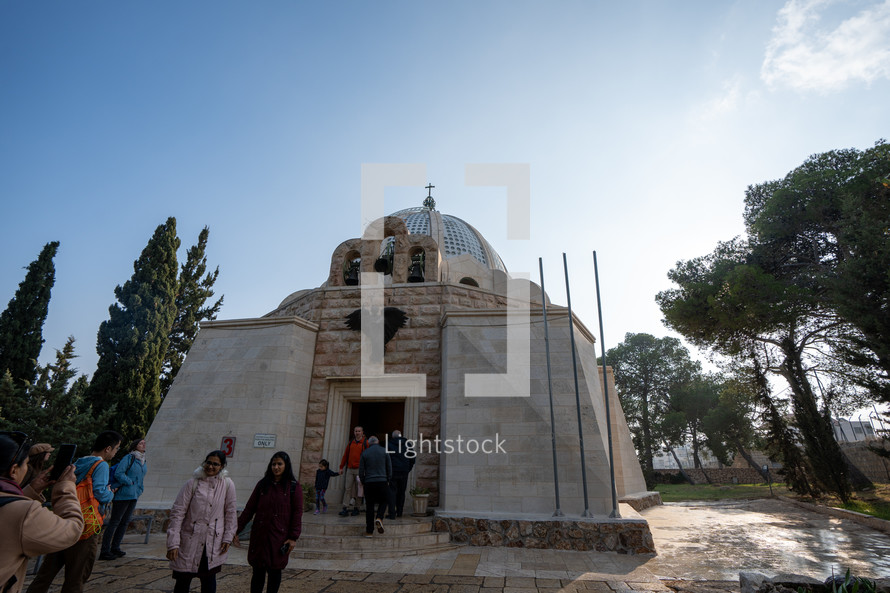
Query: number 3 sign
{"type": "Point", "coordinates": [228, 446]}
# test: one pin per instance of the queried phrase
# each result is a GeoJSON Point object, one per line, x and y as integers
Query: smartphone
{"type": "Point", "coordinates": [63, 460]}
{"type": "Point", "coordinates": [284, 549]}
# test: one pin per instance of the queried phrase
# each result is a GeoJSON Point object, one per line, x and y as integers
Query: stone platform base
{"type": "Point", "coordinates": [628, 535]}
{"type": "Point", "coordinates": [639, 501]}
{"type": "Point", "coordinates": [161, 520]}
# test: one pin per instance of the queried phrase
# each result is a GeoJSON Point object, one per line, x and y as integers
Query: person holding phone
{"type": "Point", "coordinates": [30, 529]}
{"type": "Point", "coordinates": [77, 560]}
{"type": "Point", "coordinates": [37, 457]}
{"type": "Point", "coordinates": [127, 482]}
{"type": "Point", "coordinates": [276, 507]}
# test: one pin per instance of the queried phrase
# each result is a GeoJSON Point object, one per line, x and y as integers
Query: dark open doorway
{"type": "Point", "coordinates": [378, 418]}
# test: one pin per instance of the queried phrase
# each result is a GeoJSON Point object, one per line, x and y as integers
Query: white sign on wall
{"type": "Point", "coordinates": [264, 441]}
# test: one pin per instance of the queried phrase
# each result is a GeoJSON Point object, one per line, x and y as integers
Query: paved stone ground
{"type": "Point", "coordinates": [716, 540]}
{"type": "Point", "coordinates": [141, 574]}
{"type": "Point", "coordinates": [702, 548]}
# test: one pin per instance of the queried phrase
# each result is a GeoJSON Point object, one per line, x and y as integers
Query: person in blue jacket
{"type": "Point", "coordinates": [128, 483]}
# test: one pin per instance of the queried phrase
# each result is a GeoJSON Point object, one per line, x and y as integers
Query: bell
{"type": "Point", "coordinates": [415, 272]}
{"type": "Point", "coordinates": [351, 276]}
{"type": "Point", "coordinates": [383, 265]}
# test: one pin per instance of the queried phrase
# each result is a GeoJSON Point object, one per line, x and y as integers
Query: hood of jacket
{"type": "Point", "coordinates": [83, 465]}
{"type": "Point", "coordinates": [200, 474]}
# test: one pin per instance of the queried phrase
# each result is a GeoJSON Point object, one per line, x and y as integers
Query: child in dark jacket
{"type": "Point", "coordinates": [323, 475]}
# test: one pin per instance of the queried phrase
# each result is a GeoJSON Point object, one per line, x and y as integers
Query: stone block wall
{"type": "Point", "coordinates": [875, 467]}
{"type": "Point", "coordinates": [520, 479]}
{"type": "Point", "coordinates": [415, 349]}
{"type": "Point", "coordinates": [241, 378]}
{"type": "Point", "coordinates": [726, 475]}
{"type": "Point", "coordinates": [630, 536]}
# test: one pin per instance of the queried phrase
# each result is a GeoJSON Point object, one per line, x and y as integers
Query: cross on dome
{"type": "Point", "coordinates": [429, 203]}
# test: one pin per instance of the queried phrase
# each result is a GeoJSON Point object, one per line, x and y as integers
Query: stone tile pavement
{"type": "Point", "coordinates": [701, 549]}
{"type": "Point", "coordinates": [144, 574]}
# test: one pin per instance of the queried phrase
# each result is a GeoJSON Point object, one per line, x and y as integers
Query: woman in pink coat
{"type": "Point", "coordinates": [202, 525]}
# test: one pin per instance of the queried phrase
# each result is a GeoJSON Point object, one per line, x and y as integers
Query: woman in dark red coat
{"type": "Point", "coordinates": [277, 504]}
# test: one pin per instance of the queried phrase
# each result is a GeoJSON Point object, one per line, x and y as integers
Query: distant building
{"type": "Point", "coordinates": [849, 431]}
{"type": "Point", "coordinates": [664, 460]}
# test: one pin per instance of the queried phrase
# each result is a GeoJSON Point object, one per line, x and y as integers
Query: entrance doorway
{"type": "Point", "coordinates": [379, 409]}
{"type": "Point", "coordinates": [378, 418]}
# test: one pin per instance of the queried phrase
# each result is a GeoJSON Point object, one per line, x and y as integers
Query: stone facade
{"type": "Point", "coordinates": [296, 373]}
{"type": "Point", "coordinates": [241, 378]}
{"type": "Point", "coordinates": [625, 536]}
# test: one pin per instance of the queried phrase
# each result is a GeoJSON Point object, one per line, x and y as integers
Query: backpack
{"type": "Point", "coordinates": [89, 505]}
{"type": "Point", "coordinates": [112, 481]}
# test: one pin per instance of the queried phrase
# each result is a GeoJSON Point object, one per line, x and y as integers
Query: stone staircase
{"type": "Point", "coordinates": [331, 536]}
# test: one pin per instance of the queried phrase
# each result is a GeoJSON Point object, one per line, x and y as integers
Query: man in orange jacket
{"type": "Point", "coordinates": [350, 461]}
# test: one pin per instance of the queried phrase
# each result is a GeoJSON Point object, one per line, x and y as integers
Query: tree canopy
{"type": "Point", "coordinates": [193, 289]}
{"type": "Point", "coordinates": [646, 370]}
{"type": "Point", "coordinates": [52, 409]}
{"type": "Point", "coordinates": [133, 342]}
{"type": "Point", "coordinates": [21, 324]}
{"type": "Point", "coordinates": [806, 292]}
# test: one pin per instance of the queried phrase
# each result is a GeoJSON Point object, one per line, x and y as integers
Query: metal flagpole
{"type": "Point", "coordinates": [599, 307]}
{"type": "Point", "coordinates": [557, 512]}
{"type": "Point", "coordinates": [878, 416]}
{"type": "Point", "coordinates": [565, 266]}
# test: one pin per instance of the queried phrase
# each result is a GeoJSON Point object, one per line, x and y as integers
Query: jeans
{"type": "Point", "coordinates": [116, 526]}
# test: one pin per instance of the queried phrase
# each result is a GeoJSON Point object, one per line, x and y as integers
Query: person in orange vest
{"type": "Point", "coordinates": [350, 461]}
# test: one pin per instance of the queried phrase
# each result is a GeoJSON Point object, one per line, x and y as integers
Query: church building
{"type": "Point", "coordinates": [292, 380]}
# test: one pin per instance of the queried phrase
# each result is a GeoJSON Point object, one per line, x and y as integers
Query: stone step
{"type": "Point", "coordinates": [380, 541]}
{"type": "Point", "coordinates": [334, 525]}
{"type": "Point", "coordinates": [331, 536]}
{"type": "Point", "coordinates": [322, 554]}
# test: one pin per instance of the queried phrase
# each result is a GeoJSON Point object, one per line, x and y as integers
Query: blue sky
{"type": "Point", "coordinates": [642, 124]}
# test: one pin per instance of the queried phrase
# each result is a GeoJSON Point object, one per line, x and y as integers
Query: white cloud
{"type": "Point", "coordinates": [803, 56]}
{"type": "Point", "coordinates": [725, 102]}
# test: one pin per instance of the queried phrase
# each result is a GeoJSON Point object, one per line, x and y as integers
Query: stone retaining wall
{"type": "Point", "coordinates": [625, 536]}
{"type": "Point", "coordinates": [875, 467]}
{"type": "Point", "coordinates": [726, 475]}
{"type": "Point", "coordinates": [161, 520]}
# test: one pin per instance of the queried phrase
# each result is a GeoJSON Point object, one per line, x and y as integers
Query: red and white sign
{"type": "Point", "coordinates": [228, 446]}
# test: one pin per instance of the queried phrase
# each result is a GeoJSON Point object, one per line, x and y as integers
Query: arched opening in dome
{"type": "Point", "coordinates": [469, 281]}
{"type": "Point", "coordinates": [352, 265]}
{"type": "Point", "coordinates": [417, 265]}
{"type": "Point", "coordinates": [384, 262]}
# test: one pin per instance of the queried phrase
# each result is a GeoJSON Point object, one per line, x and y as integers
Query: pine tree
{"type": "Point", "coordinates": [21, 324]}
{"type": "Point", "coordinates": [52, 409]}
{"type": "Point", "coordinates": [194, 288]}
{"type": "Point", "coordinates": [133, 341]}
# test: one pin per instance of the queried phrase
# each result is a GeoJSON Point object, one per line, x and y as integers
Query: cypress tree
{"type": "Point", "coordinates": [194, 288]}
{"type": "Point", "coordinates": [21, 324]}
{"type": "Point", "coordinates": [133, 341]}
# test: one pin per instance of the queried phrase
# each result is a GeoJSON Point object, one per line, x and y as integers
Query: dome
{"type": "Point", "coordinates": [454, 236]}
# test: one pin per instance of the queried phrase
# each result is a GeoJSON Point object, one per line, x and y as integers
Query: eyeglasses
{"type": "Point", "coordinates": [212, 463]}
{"type": "Point", "coordinates": [18, 437]}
